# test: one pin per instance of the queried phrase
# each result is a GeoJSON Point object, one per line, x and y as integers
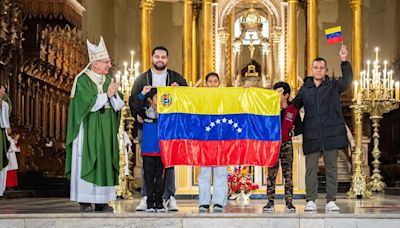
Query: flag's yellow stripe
{"type": "Point", "coordinates": [333, 30]}
{"type": "Point", "coordinates": [215, 101]}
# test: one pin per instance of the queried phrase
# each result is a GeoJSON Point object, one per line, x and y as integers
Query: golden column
{"type": "Point", "coordinates": [195, 45]}
{"type": "Point", "coordinates": [356, 43]}
{"type": "Point", "coordinates": [292, 44]}
{"type": "Point", "coordinates": [228, 50]}
{"type": "Point", "coordinates": [146, 6]}
{"type": "Point", "coordinates": [207, 38]}
{"type": "Point", "coordinates": [356, 38]}
{"type": "Point", "coordinates": [187, 41]}
{"type": "Point", "coordinates": [223, 37]}
{"type": "Point", "coordinates": [312, 34]}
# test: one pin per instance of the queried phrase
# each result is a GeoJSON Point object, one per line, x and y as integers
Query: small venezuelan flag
{"type": "Point", "coordinates": [334, 35]}
{"type": "Point", "coordinates": [219, 126]}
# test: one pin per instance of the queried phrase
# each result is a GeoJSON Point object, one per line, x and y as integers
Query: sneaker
{"type": "Point", "coordinates": [151, 209]}
{"type": "Point", "coordinates": [331, 206]}
{"type": "Point", "coordinates": [269, 206]}
{"type": "Point", "coordinates": [204, 208]}
{"type": "Point", "coordinates": [160, 208]}
{"type": "Point", "coordinates": [311, 206]}
{"type": "Point", "coordinates": [172, 205]}
{"type": "Point", "coordinates": [142, 205]}
{"type": "Point", "coordinates": [289, 206]}
{"type": "Point", "coordinates": [218, 208]}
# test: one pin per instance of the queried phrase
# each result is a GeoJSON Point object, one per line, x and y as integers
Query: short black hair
{"type": "Point", "coordinates": [159, 48]}
{"type": "Point", "coordinates": [151, 93]}
{"type": "Point", "coordinates": [212, 74]}
{"type": "Point", "coordinates": [285, 86]}
{"type": "Point", "coordinates": [319, 59]}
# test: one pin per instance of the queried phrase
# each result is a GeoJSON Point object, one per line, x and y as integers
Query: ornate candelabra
{"type": "Point", "coordinates": [376, 94]}
{"type": "Point", "coordinates": [126, 187]}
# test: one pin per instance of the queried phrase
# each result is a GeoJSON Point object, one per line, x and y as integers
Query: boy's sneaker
{"type": "Point", "coordinates": [142, 205]}
{"type": "Point", "coordinates": [204, 208]}
{"type": "Point", "coordinates": [289, 206]}
{"type": "Point", "coordinates": [172, 205]}
{"type": "Point", "coordinates": [160, 208]}
{"type": "Point", "coordinates": [331, 206]}
{"type": "Point", "coordinates": [269, 206]}
{"type": "Point", "coordinates": [218, 208]}
{"type": "Point", "coordinates": [311, 206]}
{"type": "Point", "coordinates": [151, 209]}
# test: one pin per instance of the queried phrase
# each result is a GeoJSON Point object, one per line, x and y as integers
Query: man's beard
{"type": "Point", "coordinates": [159, 68]}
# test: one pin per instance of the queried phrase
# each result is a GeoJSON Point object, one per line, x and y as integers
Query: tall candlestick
{"type": "Point", "coordinates": [355, 90]}
{"type": "Point", "coordinates": [397, 95]}
{"type": "Point", "coordinates": [125, 66]}
{"type": "Point", "coordinates": [368, 72]}
{"type": "Point", "coordinates": [132, 53]}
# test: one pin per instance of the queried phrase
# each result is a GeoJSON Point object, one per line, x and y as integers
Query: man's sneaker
{"type": "Point", "coordinates": [204, 208]}
{"type": "Point", "coordinates": [269, 206]}
{"type": "Point", "coordinates": [311, 206]}
{"type": "Point", "coordinates": [160, 208]}
{"type": "Point", "coordinates": [172, 205]}
{"type": "Point", "coordinates": [218, 208]}
{"type": "Point", "coordinates": [142, 205]}
{"type": "Point", "coordinates": [289, 206]}
{"type": "Point", "coordinates": [331, 206]}
{"type": "Point", "coordinates": [151, 209]}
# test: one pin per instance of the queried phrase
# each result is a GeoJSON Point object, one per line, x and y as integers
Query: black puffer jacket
{"type": "Point", "coordinates": [146, 79]}
{"type": "Point", "coordinates": [323, 125]}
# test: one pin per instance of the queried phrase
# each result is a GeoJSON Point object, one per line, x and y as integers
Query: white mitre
{"type": "Point", "coordinates": [96, 53]}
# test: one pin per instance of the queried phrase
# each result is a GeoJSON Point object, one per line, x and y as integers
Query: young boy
{"type": "Point", "coordinates": [152, 163]}
{"type": "Point", "coordinates": [220, 177]}
{"type": "Point", "coordinates": [291, 125]}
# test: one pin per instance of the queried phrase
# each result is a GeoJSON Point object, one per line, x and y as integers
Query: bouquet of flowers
{"type": "Point", "coordinates": [240, 182]}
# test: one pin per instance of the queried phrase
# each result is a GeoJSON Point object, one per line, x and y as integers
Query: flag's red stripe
{"type": "Point", "coordinates": [333, 40]}
{"type": "Point", "coordinates": [219, 153]}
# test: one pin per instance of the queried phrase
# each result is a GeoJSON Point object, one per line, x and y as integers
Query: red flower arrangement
{"type": "Point", "coordinates": [240, 181]}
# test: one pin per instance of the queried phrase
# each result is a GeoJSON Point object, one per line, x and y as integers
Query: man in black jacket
{"type": "Point", "coordinates": [157, 75]}
{"type": "Point", "coordinates": [324, 126]}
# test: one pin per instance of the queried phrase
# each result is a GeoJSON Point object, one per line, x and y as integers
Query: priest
{"type": "Point", "coordinates": [92, 150]}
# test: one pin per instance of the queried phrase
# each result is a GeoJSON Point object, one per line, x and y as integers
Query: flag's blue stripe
{"type": "Point", "coordinates": [193, 126]}
{"type": "Point", "coordinates": [333, 35]}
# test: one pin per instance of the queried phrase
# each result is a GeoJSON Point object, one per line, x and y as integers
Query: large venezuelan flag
{"type": "Point", "coordinates": [219, 126]}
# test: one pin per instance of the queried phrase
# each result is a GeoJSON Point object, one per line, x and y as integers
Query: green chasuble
{"type": "Point", "coordinates": [100, 152]}
{"type": "Point", "coordinates": [4, 143]}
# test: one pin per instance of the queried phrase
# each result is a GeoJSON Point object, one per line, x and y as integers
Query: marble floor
{"type": "Point", "coordinates": [380, 211]}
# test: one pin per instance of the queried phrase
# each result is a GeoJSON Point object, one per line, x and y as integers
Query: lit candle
{"type": "Point", "coordinates": [137, 68]}
{"type": "Point", "coordinates": [132, 53]}
{"type": "Point", "coordinates": [368, 71]}
{"type": "Point", "coordinates": [397, 86]}
{"type": "Point", "coordinates": [359, 98]}
{"type": "Point", "coordinates": [125, 66]}
{"type": "Point", "coordinates": [376, 53]}
{"type": "Point", "coordinates": [355, 90]}
{"type": "Point", "coordinates": [385, 76]}
{"type": "Point", "coordinates": [118, 76]}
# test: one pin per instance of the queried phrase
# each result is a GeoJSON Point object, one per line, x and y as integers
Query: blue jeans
{"type": "Point", "coordinates": [220, 185]}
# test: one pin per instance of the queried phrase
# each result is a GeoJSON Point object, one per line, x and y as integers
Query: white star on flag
{"type": "Point", "coordinates": [230, 121]}
{"type": "Point", "coordinates": [235, 125]}
{"type": "Point", "coordinates": [224, 120]}
{"type": "Point", "coordinates": [212, 124]}
{"type": "Point", "coordinates": [218, 121]}
{"type": "Point", "coordinates": [208, 128]}
{"type": "Point", "coordinates": [239, 130]}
